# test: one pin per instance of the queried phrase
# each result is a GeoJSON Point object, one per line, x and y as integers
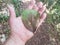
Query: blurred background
{"type": "Point", "coordinates": [47, 34]}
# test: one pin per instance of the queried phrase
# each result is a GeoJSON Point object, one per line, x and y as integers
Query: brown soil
{"type": "Point", "coordinates": [41, 37]}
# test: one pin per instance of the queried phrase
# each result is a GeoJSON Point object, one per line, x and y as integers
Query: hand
{"type": "Point", "coordinates": [19, 34]}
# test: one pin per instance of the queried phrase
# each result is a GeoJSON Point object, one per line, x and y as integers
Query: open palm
{"type": "Point", "coordinates": [18, 29]}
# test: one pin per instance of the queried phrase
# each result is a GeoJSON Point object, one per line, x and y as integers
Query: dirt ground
{"type": "Point", "coordinates": [41, 37]}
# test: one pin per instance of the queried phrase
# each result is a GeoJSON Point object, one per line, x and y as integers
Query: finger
{"type": "Point", "coordinates": [32, 3]}
{"type": "Point", "coordinates": [43, 17]}
{"type": "Point", "coordinates": [41, 21]}
{"type": "Point", "coordinates": [35, 7]}
{"type": "Point", "coordinates": [39, 4]}
{"type": "Point", "coordinates": [41, 10]}
{"type": "Point", "coordinates": [11, 11]}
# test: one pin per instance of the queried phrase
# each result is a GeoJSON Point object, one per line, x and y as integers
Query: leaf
{"type": "Point", "coordinates": [29, 18]}
{"type": "Point", "coordinates": [28, 12]}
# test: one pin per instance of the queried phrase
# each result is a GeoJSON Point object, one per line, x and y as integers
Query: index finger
{"type": "Point", "coordinates": [32, 3]}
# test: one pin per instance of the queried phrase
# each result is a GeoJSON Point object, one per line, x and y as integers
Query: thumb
{"type": "Point", "coordinates": [11, 11]}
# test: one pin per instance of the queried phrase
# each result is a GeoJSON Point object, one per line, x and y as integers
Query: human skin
{"type": "Point", "coordinates": [19, 34]}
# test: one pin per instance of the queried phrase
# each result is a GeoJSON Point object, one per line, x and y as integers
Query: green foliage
{"type": "Point", "coordinates": [28, 12]}
{"type": "Point", "coordinates": [17, 4]}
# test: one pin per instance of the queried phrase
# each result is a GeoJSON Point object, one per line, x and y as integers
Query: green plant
{"type": "Point", "coordinates": [53, 16]}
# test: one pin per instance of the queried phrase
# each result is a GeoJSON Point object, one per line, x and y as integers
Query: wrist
{"type": "Point", "coordinates": [14, 40]}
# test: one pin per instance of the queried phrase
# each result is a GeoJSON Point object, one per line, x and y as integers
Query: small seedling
{"type": "Point", "coordinates": [29, 18]}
